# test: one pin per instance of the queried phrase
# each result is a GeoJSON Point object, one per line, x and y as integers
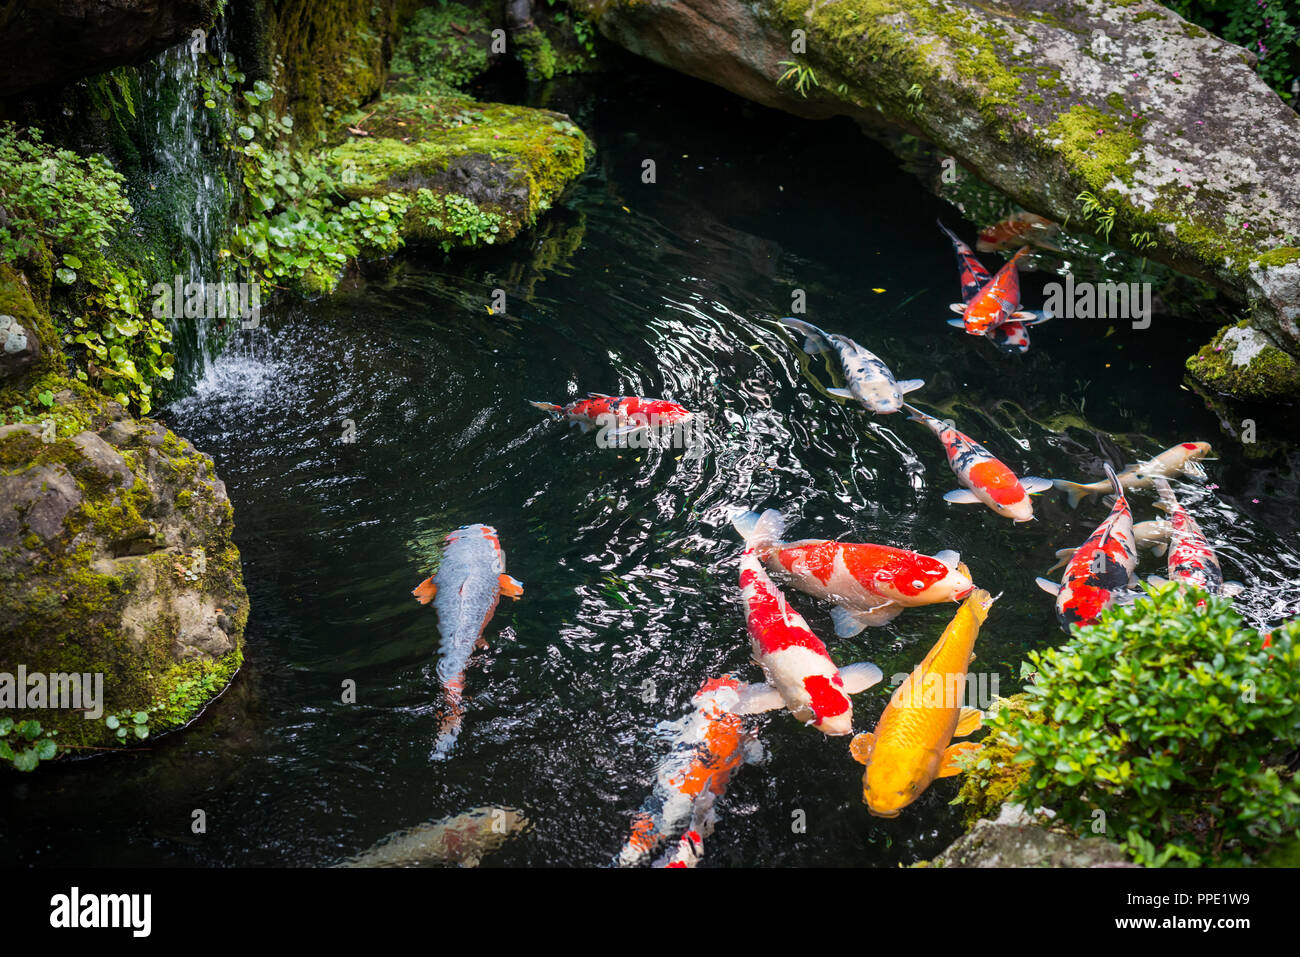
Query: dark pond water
{"type": "Point", "coordinates": [628, 562]}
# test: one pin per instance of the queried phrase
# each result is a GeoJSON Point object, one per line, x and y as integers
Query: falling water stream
{"type": "Point", "coordinates": [628, 562]}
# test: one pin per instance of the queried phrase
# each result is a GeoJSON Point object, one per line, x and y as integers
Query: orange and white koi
{"type": "Point", "coordinates": [621, 415]}
{"type": "Point", "coordinates": [985, 478]}
{"type": "Point", "coordinates": [911, 745]}
{"type": "Point", "coordinates": [869, 584]}
{"type": "Point", "coordinates": [1100, 570]}
{"type": "Point", "coordinates": [469, 582]}
{"type": "Point", "coordinates": [1182, 458]}
{"type": "Point", "coordinates": [705, 748]}
{"type": "Point", "coordinates": [1017, 230]}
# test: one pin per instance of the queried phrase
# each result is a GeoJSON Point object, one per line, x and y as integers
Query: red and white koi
{"type": "Point", "coordinates": [1182, 458]}
{"type": "Point", "coordinates": [469, 582]}
{"type": "Point", "coordinates": [985, 478]}
{"type": "Point", "coordinates": [1101, 569]}
{"type": "Point", "coordinates": [794, 660]}
{"type": "Point", "coordinates": [622, 415]}
{"type": "Point", "coordinates": [988, 301]}
{"type": "Point", "coordinates": [869, 584]}
{"type": "Point", "coordinates": [1191, 559]}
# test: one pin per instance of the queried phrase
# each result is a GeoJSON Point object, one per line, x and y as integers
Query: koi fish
{"type": "Point", "coordinates": [869, 379]}
{"type": "Point", "coordinates": [987, 301]}
{"type": "Point", "coordinates": [1191, 559]}
{"type": "Point", "coordinates": [706, 747]}
{"type": "Point", "coordinates": [911, 745]}
{"type": "Point", "coordinates": [1012, 336]}
{"type": "Point", "coordinates": [1101, 569]}
{"type": "Point", "coordinates": [461, 840]}
{"type": "Point", "coordinates": [869, 584]}
{"type": "Point", "coordinates": [1017, 230]}
{"type": "Point", "coordinates": [1152, 534]}
{"type": "Point", "coordinates": [1181, 458]}
{"type": "Point", "coordinates": [985, 478]}
{"type": "Point", "coordinates": [470, 580]}
{"type": "Point", "coordinates": [623, 415]}
{"type": "Point", "coordinates": [795, 662]}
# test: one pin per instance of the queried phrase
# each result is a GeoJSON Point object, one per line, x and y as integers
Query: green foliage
{"type": "Point", "coordinates": [1175, 720]}
{"type": "Point", "coordinates": [456, 215]}
{"type": "Point", "coordinates": [300, 231]}
{"type": "Point", "coordinates": [1270, 29]}
{"type": "Point", "coordinates": [1094, 208]}
{"type": "Point", "coordinates": [436, 55]}
{"type": "Point", "coordinates": [803, 76]}
{"type": "Point", "coordinates": [55, 197]}
{"type": "Point", "coordinates": [26, 744]}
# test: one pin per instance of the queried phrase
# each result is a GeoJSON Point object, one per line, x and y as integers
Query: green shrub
{"type": "Point", "coordinates": [1171, 718]}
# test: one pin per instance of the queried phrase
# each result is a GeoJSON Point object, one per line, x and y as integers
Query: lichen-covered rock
{"type": "Point", "coordinates": [1242, 362]}
{"type": "Point", "coordinates": [1189, 154]}
{"type": "Point", "coordinates": [1014, 839]}
{"type": "Point", "coordinates": [476, 172]}
{"type": "Point", "coordinates": [116, 546]}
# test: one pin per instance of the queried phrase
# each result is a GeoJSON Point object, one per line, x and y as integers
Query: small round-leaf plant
{"type": "Point", "coordinates": [1176, 720]}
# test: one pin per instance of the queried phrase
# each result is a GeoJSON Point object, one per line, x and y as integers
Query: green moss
{"type": "Point", "coordinates": [993, 777]}
{"type": "Point", "coordinates": [1271, 374]}
{"type": "Point", "coordinates": [537, 152]}
{"type": "Point", "coordinates": [1096, 146]}
{"type": "Point", "coordinates": [1279, 256]}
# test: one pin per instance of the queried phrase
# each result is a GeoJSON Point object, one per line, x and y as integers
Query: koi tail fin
{"type": "Point", "coordinates": [1167, 500]}
{"type": "Point", "coordinates": [454, 712]}
{"type": "Point", "coordinates": [549, 407]}
{"type": "Point", "coordinates": [759, 531]}
{"type": "Point", "coordinates": [1114, 481]}
{"type": "Point", "coordinates": [1074, 492]}
{"type": "Point", "coordinates": [814, 338]}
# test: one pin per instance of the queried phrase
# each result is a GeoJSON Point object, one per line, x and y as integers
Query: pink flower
{"type": "Point", "coordinates": [1212, 487]}
{"type": "Point", "coordinates": [1177, 75]}
{"type": "Point", "coordinates": [1255, 500]}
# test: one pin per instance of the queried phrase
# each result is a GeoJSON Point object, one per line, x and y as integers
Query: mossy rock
{"type": "Point", "coordinates": [993, 777]}
{"type": "Point", "coordinates": [1241, 361]}
{"type": "Point", "coordinates": [108, 575]}
{"type": "Point", "coordinates": [510, 162]}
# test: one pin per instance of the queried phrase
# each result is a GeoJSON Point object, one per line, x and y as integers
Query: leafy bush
{"type": "Point", "coordinates": [25, 744]}
{"type": "Point", "coordinates": [55, 197]}
{"type": "Point", "coordinates": [1173, 719]}
{"type": "Point", "coordinates": [57, 200]}
{"type": "Point", "coordinates": [1270, 29]}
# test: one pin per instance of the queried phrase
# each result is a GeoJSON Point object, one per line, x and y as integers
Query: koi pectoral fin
{"type": "Point", "coordinates": [957, 323]}
{"type": "Point", "coordinates": [510, 587]}
{"type": "Point", "coordinates": [849, 622]}
{"type": "Point", "coordinates": [1034, 484]}
{"type": "Point", "coordinates": [1051, 587]}
{"type": "Point", "coordinates": [949, 767]}
{"type": "Point", "coordinates": [961, 496]}
{"type": "Point", "coordinates": [757, 698]}
{"type": "Point", "coordinates": [841, 393]}
{"type": "Point", "coordinates": [860, 676]}
{"type": "Point", "coordinates": [909, 385]}
{"type": "Point", "coordinates": [425, 591]}
{"type": "Point", "coordinates": [1063, 557]}
{"type": "Point", "coordinates": [969, 721]}
{"type": "Point", "coordinates": [861, 747]}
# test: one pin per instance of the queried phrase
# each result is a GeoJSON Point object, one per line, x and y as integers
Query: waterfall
{"type": "Point", "coordinates": [191, 195]}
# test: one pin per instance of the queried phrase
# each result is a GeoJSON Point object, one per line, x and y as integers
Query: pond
{"type": "Point", "coordinates": [355, 431]}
